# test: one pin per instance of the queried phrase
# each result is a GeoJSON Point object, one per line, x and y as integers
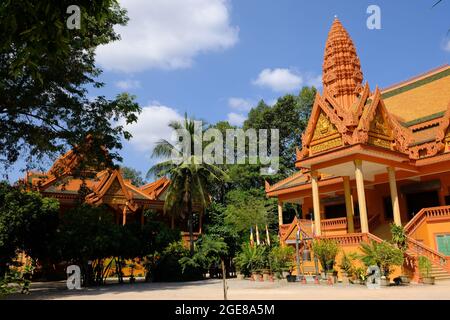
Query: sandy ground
{"type": "Point", "coordinates": [238, 290]}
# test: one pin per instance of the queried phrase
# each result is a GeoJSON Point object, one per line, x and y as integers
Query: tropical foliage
{"type": "Point", "coordinates": [326, 251]}
{"type": "Point", "coordinates": [250, 259]}
{"type": "Point", "coordinates": [281, 259]}
{"type": "Point", "coordinates": [383, 254]}
{"type": "Point", "coordinates": [24, 218]}
{"type": "Point", "coordinates": [424, 267]}
{"type": "Point", "coordinates": [191, 179]}
{"type": "Point", "coordinates": [44, 75]}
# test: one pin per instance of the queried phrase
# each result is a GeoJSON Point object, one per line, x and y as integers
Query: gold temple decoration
{"type": "Point", "coordinates": [325, 136]}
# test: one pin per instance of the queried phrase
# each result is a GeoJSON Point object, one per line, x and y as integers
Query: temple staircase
{"type": "Point", "coordinates": [440, 263]}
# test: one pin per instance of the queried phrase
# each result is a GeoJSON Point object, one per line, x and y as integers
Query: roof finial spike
{"type": "Point", "coordinates": [335, 16]}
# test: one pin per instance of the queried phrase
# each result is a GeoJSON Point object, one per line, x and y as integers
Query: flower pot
{"type": "Point", "coordinates": [240, 276]}
{"type": "Point", "coordinates": [404, 279]}
{"type": "Point", "coordinates": [291, 278]}
{"type": "Point", "coordinates": [266, 276]}
{"type": "Point", "coordinates": [385, 282]}
{"type": "Point", "coordinates": [428, 280]}
{"type": "Point", "coordinates": [284, 274]}
{"type": "Point", "coordinates": [345, 278]}
{"type": "Point", "coordinates": [255, 276]}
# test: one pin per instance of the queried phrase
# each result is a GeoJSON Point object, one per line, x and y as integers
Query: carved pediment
{"type": "Point", "coordinates": [323, 128]}
{"type": "Point", "coordinates": [380, 133]}
{"type": "Point", "coordinates": [326, 136]}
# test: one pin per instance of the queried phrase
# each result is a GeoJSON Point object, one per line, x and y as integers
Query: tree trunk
{"type": "Point", "coordinates": [224, 277]}
{"type": "Point", "coordinates": [191, 227]}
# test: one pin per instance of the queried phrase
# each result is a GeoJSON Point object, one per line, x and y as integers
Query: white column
{"type": "Point", "coordinates": [361, 196]}
{"type": "Point", "coordinates": [316, 202]}
{"type": "Point", "coordinates": [394, 196]}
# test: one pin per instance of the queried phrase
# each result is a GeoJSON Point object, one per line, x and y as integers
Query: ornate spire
{"type": "Point", "coordinates": [342, 75]}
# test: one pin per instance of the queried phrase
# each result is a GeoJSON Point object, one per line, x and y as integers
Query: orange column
{"type": "Point", "coordinates": [349, 205]}
{"type": "Point", "coordinates": [124, 215]}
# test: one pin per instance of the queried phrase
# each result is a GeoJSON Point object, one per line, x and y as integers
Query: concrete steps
{"type": "Point", "coordinates": [439, 273]}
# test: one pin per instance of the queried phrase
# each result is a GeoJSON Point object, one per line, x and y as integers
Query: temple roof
{"type": "Point", "coordinates": [417, 99]}
{"type": "Point", "coordinates": [409, 120]}
{"type": "Point", "coordinates": [109, 183]}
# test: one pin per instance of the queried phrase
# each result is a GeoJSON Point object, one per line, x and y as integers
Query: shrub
{"type": "Point", "coordinates": [383, 254]}
{"type": "Point", "coordinates": [250, 259]}
{"type": "Point", "coordinates": [424, 267]}
{"type": "Point", "coordinates": [326, 250]}
{"type": "Point", "coordinates": [281, 258]}
{"type": "Point", "coordinates": [347, 264]}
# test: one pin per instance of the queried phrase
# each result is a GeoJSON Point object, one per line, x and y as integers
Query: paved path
{"type": "Point", "coordinates": [238, 289]}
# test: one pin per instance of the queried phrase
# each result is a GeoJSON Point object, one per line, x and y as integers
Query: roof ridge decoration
{"type": "Point", "coordinates": [103, 187]}
{"type": "Point", "coordinates": [156, 188]}
{"type": "Point", "coordinates": [442, 139]}
{"type": "Point", "coordinates": [389, 133]}
{"type": "Point", "coordinates": [342, 76]}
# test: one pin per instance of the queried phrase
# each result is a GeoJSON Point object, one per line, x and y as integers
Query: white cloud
{"type": "Point", "coordinates": [236, 119]}
{"type": "Point", "coordinates": [280, 80]}
{"type": "Point", "coordinates": [240, 104]}
{"type": "Point", "coordinates": [168, 34]}
{"type": "Point", "coordinates": [128, 84]}
{"type": "Point", "coordinates": [315, 81]}
{"type": "Point", "coordinates": [152, 125]}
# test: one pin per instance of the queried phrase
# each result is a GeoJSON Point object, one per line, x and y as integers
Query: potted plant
{"type": "Point", "coordinates": [291, 277]}
{"type": "Point", "coordinates": [359, 276]}
{"type": "Point", "coordinates": [326, 250]}
{"type": "Point", "coordinates": [399, 239]}
{"type": "Point", "coordinates": [132, 266]}
{"type": "Point", "coordinates": [425, 270]}
{"type": "Point", "coordinates": [384, 255]}
{"type": "Point", "coordinates": [281, 259]}
{"type": "Point", "coordinates": [347, 268]}
{"type": "Point", "coordinates": [250, 260]}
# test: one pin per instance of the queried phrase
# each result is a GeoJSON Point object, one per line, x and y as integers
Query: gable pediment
{"type": "Point", "coordinates": [380, 132]}
{"type": "Point", "coordinates": [325, 136]}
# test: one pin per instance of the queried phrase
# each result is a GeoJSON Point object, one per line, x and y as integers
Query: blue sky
{"type": "Point", "coordinates": [214, 59]}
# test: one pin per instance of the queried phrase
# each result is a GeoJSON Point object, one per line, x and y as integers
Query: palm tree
{"type": "Point", "coordinates": [190, 179]}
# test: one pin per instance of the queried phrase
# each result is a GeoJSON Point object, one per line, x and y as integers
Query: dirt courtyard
{"type": "Point", "coordinates": [237, 290]}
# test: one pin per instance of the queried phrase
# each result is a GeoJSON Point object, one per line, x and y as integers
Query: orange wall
{"type": "Point", "coordinates": [427, 232]}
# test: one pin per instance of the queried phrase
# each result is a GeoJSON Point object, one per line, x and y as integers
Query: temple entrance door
{"type": "Point", "coordinates": [388, 213]}
{"type": "Point", "coordinates": [335, 211]}
{"type": "Point", "coordinates": [417, 201]}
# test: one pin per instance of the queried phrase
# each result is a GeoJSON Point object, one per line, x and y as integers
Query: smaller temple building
{"type": "Point", "coordinates": [126, 202]}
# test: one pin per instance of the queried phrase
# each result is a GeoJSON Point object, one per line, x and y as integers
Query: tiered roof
{"type": "Point", "coordinates": [410, 118]}
{"type": "Point", "coordinates": [105, 186]}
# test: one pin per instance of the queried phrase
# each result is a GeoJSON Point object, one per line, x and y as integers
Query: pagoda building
{"type": "Point", "coordinates": [371, 157]}
{"type": "Point", "coordinates": [72, 183]}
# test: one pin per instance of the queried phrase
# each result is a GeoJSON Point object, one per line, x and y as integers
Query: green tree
{"type": "Point", "coordinates": [134, 175]}
{"type": "Point", "coordinates": [191, 179]}
{"type": "Point", "coordinates": [290, 115]}
{"type": "Point", "coordinates": [45, 72]}
{"type": "Point", "coordinates": [248, 208]}
{"type": "Point", "coordinates": [28, 223]}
